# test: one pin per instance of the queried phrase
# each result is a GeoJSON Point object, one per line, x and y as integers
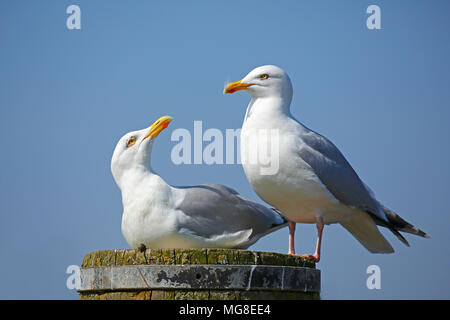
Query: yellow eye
{"type": "Point", "coordinates": [264, 76]}
{"type": "Point", "coordinates": [131, 142]}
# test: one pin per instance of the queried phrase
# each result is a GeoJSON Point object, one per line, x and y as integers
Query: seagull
{"type": "Point", "coordinates": [157, 215]}
{"type": "Point", "coordinates": [313, 182]}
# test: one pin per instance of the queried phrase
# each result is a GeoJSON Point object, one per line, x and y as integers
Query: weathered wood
{"type": "Point", "coordinates": [197, 274]}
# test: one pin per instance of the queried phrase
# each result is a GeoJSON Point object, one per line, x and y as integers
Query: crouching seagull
{"type": "Point", "coordinates": [157, 215]}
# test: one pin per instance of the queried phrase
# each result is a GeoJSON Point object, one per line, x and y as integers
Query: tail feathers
{"type": "Point", "coordinates": [364, 229]}
{"type": "Point", "coordinates": [401, 225]}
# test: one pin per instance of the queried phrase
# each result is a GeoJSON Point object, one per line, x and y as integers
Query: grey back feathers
{"type": "Point", "coordinates": [214, 209]}
{"type": "Point", "coordinates": [342, 181]}
{"type": "Point", "coordinates": [336, 173]}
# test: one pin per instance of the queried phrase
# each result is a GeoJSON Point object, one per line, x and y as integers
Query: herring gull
{"type": "Point", "coordinates": [314, 182]}
{"type": "Point", "coordinates": [158, 215]}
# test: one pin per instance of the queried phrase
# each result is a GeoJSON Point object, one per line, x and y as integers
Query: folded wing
{"type": "Point", "coordinates": [220, 214]}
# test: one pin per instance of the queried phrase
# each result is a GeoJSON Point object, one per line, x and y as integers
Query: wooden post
{"type": "Point", "coordinates": [197, 274]}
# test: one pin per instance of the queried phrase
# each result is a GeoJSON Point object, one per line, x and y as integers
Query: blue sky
{"type": "Point", "coordinates": [67, 96]}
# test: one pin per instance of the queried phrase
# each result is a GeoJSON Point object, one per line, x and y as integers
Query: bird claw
{"type": "Point", "coordinates": [141, 248]}
{"type": "Point", "coordinates": [314, 257]}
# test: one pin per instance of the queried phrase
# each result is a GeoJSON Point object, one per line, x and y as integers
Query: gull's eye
{"type": "Point", "coordinates": [131, 141]}
{"type": "Point", "coordinates": [264, 76]}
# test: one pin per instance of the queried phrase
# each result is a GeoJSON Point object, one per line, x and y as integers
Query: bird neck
{"type": "Point", "coordinates": [268, 106]}
{"type": "Point", "coordinates": [132, 177]}
{"type": "Point", "coordinates": [139, 172]}
{"type": "Point", "coordinates": [140, 181]}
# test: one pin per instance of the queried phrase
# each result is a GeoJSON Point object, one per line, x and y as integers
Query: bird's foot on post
{"type": "Point", "coordinates": [314, 257]}
{"type": "Point", "coordinates": [141, 248]}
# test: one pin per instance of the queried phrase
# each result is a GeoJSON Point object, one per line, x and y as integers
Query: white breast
{"type": "Point", "coordinates": [293, 188]}
{"type": "Point", "coordinates": [148, 217]}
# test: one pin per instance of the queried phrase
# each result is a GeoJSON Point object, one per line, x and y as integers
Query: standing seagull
{"type": "Point", "coordinates": [158, 215]}
{"type": "Point", "coordinates": [314, 183]}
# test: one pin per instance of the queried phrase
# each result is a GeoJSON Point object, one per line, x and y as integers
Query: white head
{"type": "Point", "coordinates": [134, 149]}
{"type": "Point", "coordinates": [265, 81]}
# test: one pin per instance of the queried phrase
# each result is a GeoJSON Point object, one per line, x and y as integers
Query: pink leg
{"type": "Point", "coordinates": [316, 255]}
{"type": "Point", "coordinates": [291, 237]}
{"type": "Point", "coordinates": [319, 226]}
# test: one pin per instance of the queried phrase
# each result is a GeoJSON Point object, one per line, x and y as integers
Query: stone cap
{"type": "Point", "coordinates": [124, 257]}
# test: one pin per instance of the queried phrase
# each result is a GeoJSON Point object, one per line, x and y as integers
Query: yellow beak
{"type": "Point", "coordinates": [236, 86]}
{"type": "Point", "coordinates": [158, 126]}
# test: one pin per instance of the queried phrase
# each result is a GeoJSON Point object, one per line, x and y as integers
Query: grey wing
{"type": "Point", "coordinates": [214, 210]}
{"type": "Point", "coordinates": [337, 174]}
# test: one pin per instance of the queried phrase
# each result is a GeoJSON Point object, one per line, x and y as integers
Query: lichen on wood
{"type": "Point", "coordinates": [303, 281]}
{"type": "Point", "coordinates": [122, 257]}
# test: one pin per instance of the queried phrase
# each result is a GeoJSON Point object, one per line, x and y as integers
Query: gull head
{"type": "Point", "coordinates": [265, 81]}
{"type": "Point", "coordinates": [133, 151]}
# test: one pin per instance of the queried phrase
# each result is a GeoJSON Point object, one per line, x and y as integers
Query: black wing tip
{"type": "Point", "coordinates": [402, 225]}
{"type": "Point", "coordinates": [400, 237]}
{"type": "Point", "coordinates": [285, 221]}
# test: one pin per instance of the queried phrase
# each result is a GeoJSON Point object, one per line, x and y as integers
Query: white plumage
{"type": "Point", "coordinates": [314, 183]}
{"type": "Point", "coordinates": [158, 215]}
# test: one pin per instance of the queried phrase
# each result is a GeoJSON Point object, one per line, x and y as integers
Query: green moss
{"type": "Point", "coordinates": [223, 295]}
{"type": "Point", "coordinates": [191, 256]}
{"type": "Point", "coordinates": [99, 258]}
{"type": "Point", "coordinates": [130, 257]}
{"type": "Point", "coordinates": [159, 295]}
{"type": "Point", "coordinates": [201, 295]}
{"type": "Point", "coordinates": [246, 257]}
{"type": "Point", "coordinates": [219, 256]}
{"type": "Point", "coordinates": [183, 295]}
{"type": "Point", "coordinates": [118, 295]}
{"type": "Point", "coordinates": [275, 295]}
{"type": "Point", "coordinates": [163, 256]}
